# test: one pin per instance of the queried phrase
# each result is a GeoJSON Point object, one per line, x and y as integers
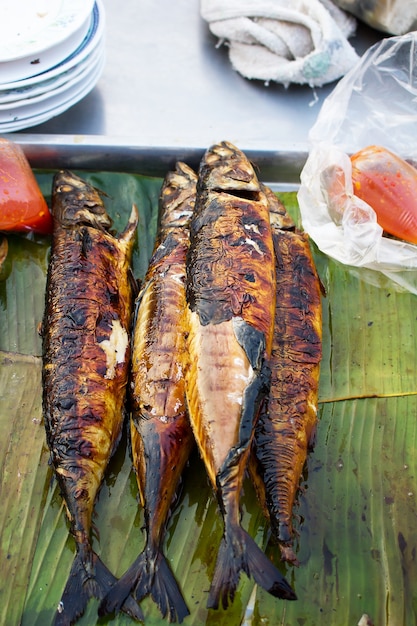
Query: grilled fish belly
{"type": "Point", "coordinates": [231, 303]}
{"type": "Point", "coordinates": [85, 364]}
{"type": "Point", "coordinates": [161, 434]}
{"type": "Point", "coordinates": [219, 368]}
{"type": "Point", "coordinates": [285, 430]}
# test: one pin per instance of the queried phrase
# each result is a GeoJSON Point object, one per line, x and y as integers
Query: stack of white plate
{"type": "Point", "coordinates": [51, 56]}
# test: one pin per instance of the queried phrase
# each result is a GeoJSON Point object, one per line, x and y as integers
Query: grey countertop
{"type": "Point", "coordinates": [166, 84]}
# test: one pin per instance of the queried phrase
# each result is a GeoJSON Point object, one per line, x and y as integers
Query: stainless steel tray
{"type": "Point", "coordinates": [280, 168]}
{"type": "Point", "coordinates": [355, 508]}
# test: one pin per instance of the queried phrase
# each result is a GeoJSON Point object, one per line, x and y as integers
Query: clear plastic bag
{"type": "Point", "coordinates": [396, 17]}
{"type": "Point", "coordinates": [375, 103]}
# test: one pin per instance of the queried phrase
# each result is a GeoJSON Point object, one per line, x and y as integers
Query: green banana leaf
{"type": "Point", "coordinates": [356, 517]}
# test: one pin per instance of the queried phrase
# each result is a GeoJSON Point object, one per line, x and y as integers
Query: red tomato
{"type": "Point", "coordinates": [389, 185]}
{"type": "Point", "coordinates": [22, 205]}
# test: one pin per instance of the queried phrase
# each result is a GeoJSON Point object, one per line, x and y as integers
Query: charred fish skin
{"type": "Point", "coordinates": [286, 428]}
{"type": "Point", "coordinates": [86, 352]}
{"type": "Point", "coordinates": [230, 287]}
{"type": "Point", "coordinates": [161, 434]}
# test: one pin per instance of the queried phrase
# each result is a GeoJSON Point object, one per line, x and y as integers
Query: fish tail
{"type": "Point", "coordinates": [120, 591]}
{"type": "Point", "coordinates": [163, 588]}
{"type": "Point", "coordinates": [239, 552]}
{"type": "Point", "coordinates": [151, 575]}
{"type": "Point", "coordinates": [88, 578]}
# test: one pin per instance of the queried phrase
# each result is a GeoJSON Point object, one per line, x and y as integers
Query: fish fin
{"type": "Point", "coordinates": [288, 554]}
{"type": "Point", "coordinates": [87, 579]}
{"type": "Point", "coordinates": [117, 595]}
{"type": "Point", "coordinates": [130, 229]}
{"type": "Point", "coordinates": [164, 590]}
{"type": "Point", "coordinates": [151, 575]}
{"type": "Point", "coordinates": [251, 340]}
{"type": "Point", "coordinates": [238, 552]}
{"type": "Point", "coordinates": [135, 283]}
{"type": "Point", "coordinates": [311, 442]}
{"type": "Point", "coordinates": [105, 581]}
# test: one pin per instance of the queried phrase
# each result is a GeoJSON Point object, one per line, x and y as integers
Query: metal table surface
{"type": "Point", "coordinates": [165, 84]}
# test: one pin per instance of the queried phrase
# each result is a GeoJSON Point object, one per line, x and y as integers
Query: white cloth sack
{"type": "Point", "coordinates": [285, 41]}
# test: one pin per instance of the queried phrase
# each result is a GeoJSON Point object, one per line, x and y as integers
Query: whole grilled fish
{"type": "Point", "coordinates": [161, 434]}
{"type": "Point", "coordinates": [231, 298]}
{"type": "Point", "coordinates": [286, 426]}
{"type": "Point", "coordinates": [89, 301]}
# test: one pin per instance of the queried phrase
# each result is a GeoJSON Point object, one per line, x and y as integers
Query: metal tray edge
{"type": "Point", "coordinates": [280, 167]}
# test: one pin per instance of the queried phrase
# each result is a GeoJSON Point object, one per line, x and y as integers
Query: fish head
{"type": "Point", "coordinates": [74, 201]}
{"type": "Point", "coordinates": [177, 196]}
{"type": "Point", "coordinates": [226, 168]}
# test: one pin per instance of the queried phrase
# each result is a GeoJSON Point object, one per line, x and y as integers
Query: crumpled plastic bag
{"type": "Point", "coordinates": [396, 17]}
{"type": "Point", "coordinates": [374, 104]}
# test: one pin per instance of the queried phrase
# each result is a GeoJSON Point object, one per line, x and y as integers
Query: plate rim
{"type": "Point", "coordinates": [42, 90]}
{"type": "Point", "coordinates": [90, 41]}
{"type": "Point", "coordinates": [47, 114]}
{"type": "Point", "coordinates": [71, 16]}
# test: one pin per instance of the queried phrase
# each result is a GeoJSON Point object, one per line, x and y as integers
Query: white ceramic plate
{"type": "Point", "coordinates": [59, 106]}
{"type": "Point", "coordinates": [35, 35]}
{"type": "Point", "coordinates": [28, 27]}
{"type": "Point", "coordinates": [90, 42]}
{"type": "Point", "coordinates": [66, 93]}
{"type": "Point", "coordinates": [12, 98]}
{"type": "Point", "coordinates": [18, 106]}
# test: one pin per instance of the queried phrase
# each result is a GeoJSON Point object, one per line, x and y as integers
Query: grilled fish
{"type": "Point", "coordinates": [230, 287]}
{"type": "Point", "coordinates": [89, 301]}
{"type": "Point", "coordinates": [161, 434]}
{"type": "Point", "coordinates": [286, 427]}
